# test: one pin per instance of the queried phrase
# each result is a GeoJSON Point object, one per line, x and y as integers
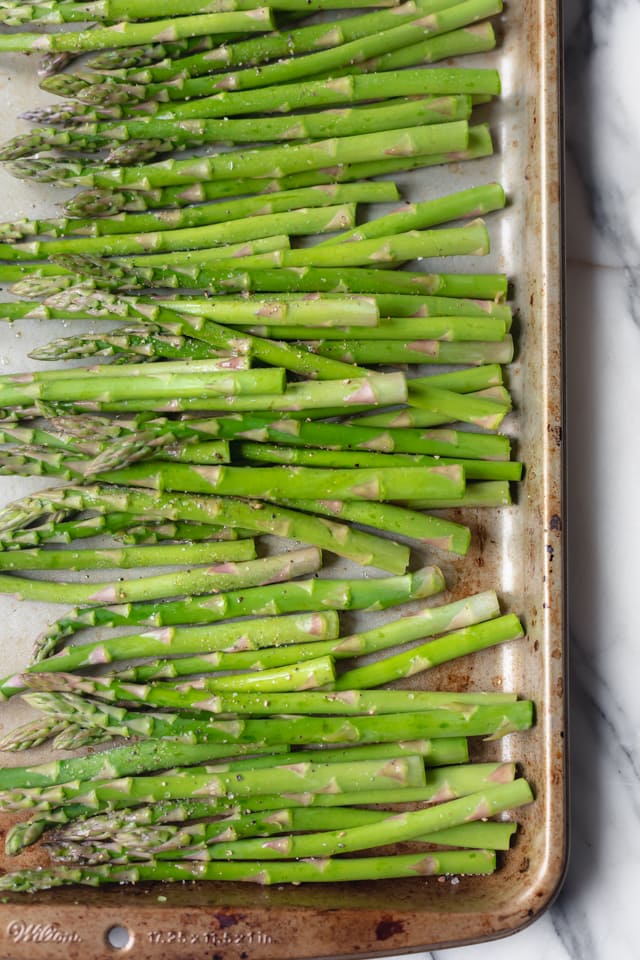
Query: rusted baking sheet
{"type": "Point", "coordinates": [517, 550]}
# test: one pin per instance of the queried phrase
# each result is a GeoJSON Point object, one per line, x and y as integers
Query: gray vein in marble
{"type": "Point", "coordinates": [572, 930]}
{"type": "Point", "coordinates": [600, 129]}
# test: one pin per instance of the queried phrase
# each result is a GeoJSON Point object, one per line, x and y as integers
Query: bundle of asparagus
{"type": "Point", "coordinates": [255, 386]}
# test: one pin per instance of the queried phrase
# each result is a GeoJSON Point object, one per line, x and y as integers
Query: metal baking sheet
{"type": "Point", "coordinates": [516, 550]}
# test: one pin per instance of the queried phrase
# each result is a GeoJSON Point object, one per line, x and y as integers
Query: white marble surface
{"type": "Point", "coordinates": [595, 915]}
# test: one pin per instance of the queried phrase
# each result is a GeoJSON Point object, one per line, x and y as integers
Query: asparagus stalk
{"type": "Point", "coordinates": [404, 305]}
{"type": "Point", "coordinates": [406, 826]}
{"type": "Point", "coordinates": [468, 640]}
{"type": "Point", "coordinates": [427, 622]}
{"type": "Point", "coordinates": [388, 328]}
{"type": "Point", "coordinates": [304, 221]}
{"type": "Point", "coordinates": [470, 240]}
{"type": "Point", "coordinates": [256, 50]}
{"type": "Point", "coordinates": [99, 202]}
{"type": "Point", "coordinates": [252, 515]}
{"type": "Point", "coordinates": [130, 34]}
{"type": "Point", "coordinates": [490, 493]}
{"type": "Point", "coordinates": [26, 389]}
{"type": "Point", "coordinates": [325, 61]}
{"type": "Point", "coordinates": [272, 483]}
{"type": "Point", "coordinates": [475, 38]}
{"type": "Point", "coordinates": [483, 835]}
{"type": "Point", "coordinates": [400, 521]}
{"type": "Point", "coordinates": [326, 870]}
{"type": "Point", "coordinates": [32, 734]}
{"type": "Point", "coordinates": [263, 162]}
{"type": "Point", "coordinates": [125, 340]}
{"type": "Point", "coordinates": [218, 577]}
{"type": "Point", "coordinates": [128, 760]}
{"type": "Point", "coordinates": [474, 202]}
{"type": "Point", "coordinates": [350, 436]}
{"type": "Point", "coordinates": [75, 738]}
{"type": "Point", "coordinates": [251, 635]}
{"type": "Point", "coordinates": [300, 595]}
{"type": "Point", "coordinates": [163, 815]}
{"type": "Point", "coordinates": [392, 829]}
{"type": "Point", "coordinates": [353, 394]}
{"type": "Point", "coordinates": [201, 215]}
{"type": "Point", "coordinates": [328, 280]}
{"type": "Point", "coordinates": [127, 557]}
{"type": "Point", "coordinates": [166, 135]}
{"type": "Point", "coordinates": [68, 11]}
{"type": "Point", "coordinates": [272, 453]}
{"type": "Point", "coordinates": [125, 58]}
{"type": "Point", "coordinates": [125, 63]}
{"type": "Point", "coordinates": [231, 701]}
{"type": "Point", "coordinates": [454, 720]}
{"type": "Point", "coordinates": [130, 791]}
{"type": "Point", "coordinates": [447, 648]}
{"type": "Point", "coordinates": [22, 834]}
{"type": "Point", "coordinates": [367, 352]}
{"type": "Point", "coordinates": [287, 97]}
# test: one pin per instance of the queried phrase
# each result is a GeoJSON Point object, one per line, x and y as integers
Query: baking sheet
{"type": "Point", "coordinates": [517, 550]}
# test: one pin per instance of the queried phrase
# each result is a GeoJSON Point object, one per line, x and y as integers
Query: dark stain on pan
{"type": "Point", "coordinates": [228, 919]}
{"type": "Point", "coordinates": [388, 927]}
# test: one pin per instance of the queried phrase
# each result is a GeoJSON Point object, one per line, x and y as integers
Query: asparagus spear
{"type": "Point", "coordinates": [229, 700]}
{"type": "Point", "coordinates": [457, 329]}
{"type": "Point", "coordinates": [304, 221]}
{"type": "Point", "coordinates": [326, 870]}
{"type": "Point", "coordinates": [427, 622]}
{"type": "Point", "coordinates": [125, 340]}
{"type": "Point", "coordinates": [192, 842]}
{"type": "Point", "coordinates": [22, 834]}
{"type": "Point", "coordinates": [200, 215]}
{"type": "Point", "coordinates": [247, 635]}
{"type": "Point", "coordinates": [491, 493]}
{"type": "Point", "coordinates": [135, 758]}
{"type": "Point", "coordinates": [74, 738]}
{"type": "Point", "coordinates": [346, 436]}
{"type": "Point", "coordinates": [254, 51]}
{"type": "Point", "coordinates": [127, 557]}
{"type": "Point", "coordinates": [474, 202]}
{"type": "Point", "coordinates": [167, 135]}
{"type": "Point", "coordinates": [270, 453]}
{"type": "Point", "coordinates": [146, 54]}
{"type": "Point", "coordinates": [99, 202]}
{"type": "Point", "coordinates": [391, 829]}
{"type": "Point", "coordinates": [215, 578]}
{"type": "Point", "coordinates": [32, 734]}
{"type": "Point", "coordinates": [194, 781]}
{"type": "Point", "coordinates": [300, 595]}
{"type": "Point", "coordinates": [368, 352]}
{"type": "Point", "coordinates": [287, 97]}
{"type": "Point", "coordinates": [327, 279]}
{"type": "Point", "coordinates": [452, 720]}
{"type": "Point", "coordinates": [253, 515]}
{"type": "Point", "coordinates": [68, 11]}
{"type": "Point", "coordinates": [272, 483]}
{"type": "Point", "coordinates": [130, 34]}
{"type": "Point", "coordinates": [327, 61]}
{"type": "Point", "coordinates": [407, 664]}
{"type": "Point", "coordinates": [262, 162]}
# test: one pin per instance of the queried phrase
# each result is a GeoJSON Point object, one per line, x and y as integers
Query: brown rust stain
{"type": "Point", "coordinates": [388, 927]}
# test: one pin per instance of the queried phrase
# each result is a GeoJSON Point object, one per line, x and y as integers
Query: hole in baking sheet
{"type": "Point", "coordinates": [118, 937]}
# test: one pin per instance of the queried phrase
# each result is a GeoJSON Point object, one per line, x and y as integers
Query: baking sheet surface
{"type": "Point", "coordinates": [516, 550]}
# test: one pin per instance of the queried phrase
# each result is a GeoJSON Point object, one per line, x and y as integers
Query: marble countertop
{"type": "Point", "coordinates": [594, 916]}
